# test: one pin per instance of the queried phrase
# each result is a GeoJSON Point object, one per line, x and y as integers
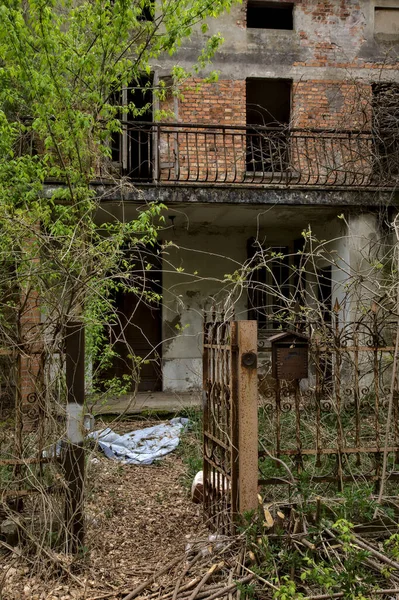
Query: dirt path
{"type": "Point", "coordinates": [138, 518]}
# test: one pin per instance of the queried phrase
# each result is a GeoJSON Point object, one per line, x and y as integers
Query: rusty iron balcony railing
{"type": "Point", "coordinates": [168, 153]}
{"type": "Point", "coordinates": [180, 153]}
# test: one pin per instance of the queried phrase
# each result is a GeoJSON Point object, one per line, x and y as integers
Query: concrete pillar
{"type": "Point", "coordinates": [363, 242]}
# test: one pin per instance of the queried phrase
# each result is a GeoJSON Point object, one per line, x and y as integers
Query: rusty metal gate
{"type": "Point", "coordinates": [230, 399]}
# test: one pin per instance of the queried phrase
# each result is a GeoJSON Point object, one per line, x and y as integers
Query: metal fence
{"type": "Point", "coordinates": [331, 429]}
{"type": "Point", "coordinates": [334, 427]}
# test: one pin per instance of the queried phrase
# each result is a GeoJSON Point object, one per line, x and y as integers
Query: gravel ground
{"type": "Point", "coordinates": [138, 519]}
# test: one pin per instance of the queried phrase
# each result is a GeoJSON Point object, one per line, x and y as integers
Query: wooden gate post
{"type": "Point", "coordinates": [246, 335]}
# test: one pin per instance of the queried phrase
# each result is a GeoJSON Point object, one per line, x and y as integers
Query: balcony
{"type": "Point", "coordinates": [254, 156]}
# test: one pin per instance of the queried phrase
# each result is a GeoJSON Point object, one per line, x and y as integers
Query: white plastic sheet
{"type": "Point", "coordinates": [143, 446]}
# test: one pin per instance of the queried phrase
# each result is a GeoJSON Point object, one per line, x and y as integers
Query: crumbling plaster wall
{"type": "Point", "coordinates": [206, 255]}
{"type": "Point", "coordinates": [332, 39]}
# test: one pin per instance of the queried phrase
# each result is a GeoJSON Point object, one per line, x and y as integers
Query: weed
{"type": "Point", "coordinates": [391, 545]}
{"type": "Point", "coordinates": [287, 590]}
{"type": "Point", "coordinates": [357, 504]}
{"type": "Point", "coordinates": [190, 447]}
{"type": "Point", "coordinates": [248, 590]}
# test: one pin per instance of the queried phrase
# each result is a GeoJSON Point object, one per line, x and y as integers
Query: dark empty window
{"type": "Point", "coordinates": [268, 101]}
{"type": "Point", "coordinates": [268, 115]}
{"type": "Point", "coordinates": [269, 15]}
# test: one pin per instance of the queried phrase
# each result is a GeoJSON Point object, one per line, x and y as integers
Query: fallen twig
{"type": "Point", "coordinates": [205, 578]}
{"type": "Point", "coordinates": [379, 555]}
{"type": "Point", "coordinates": [183, 588]}
{"type": "Point", "coordinates": [342, 594]}
{"type": "Point", "coordinates": [152, 579]}
{"type": "Point", "coordinates": [186, 570]}
{"type": "Point", "coordinates": [368, 548]}
{"type": "Point", "coordinates": [225, 590]}
{"type": "Point", "coordinates": [271, 585]}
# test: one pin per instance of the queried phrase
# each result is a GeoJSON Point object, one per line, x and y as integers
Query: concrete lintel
{"type": "Point", "coordinates": [176, 194]}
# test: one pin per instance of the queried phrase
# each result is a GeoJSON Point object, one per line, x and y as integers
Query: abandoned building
{"type": "Point", "coordinates": [284, 140]}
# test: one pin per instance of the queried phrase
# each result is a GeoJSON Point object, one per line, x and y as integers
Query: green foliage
{"type": "Point", "coordinates": [391, 545]}
{"type": "Point", "coordinates": [190, 447]}
{"type": "Point", "coordinates": [358, 503]}
{"type": "Point", "coordinates": [63, 66]}
{"type": "Point", "coordinates": [287, 590]}
{"type": "Point", "coordinates": [297, 571]}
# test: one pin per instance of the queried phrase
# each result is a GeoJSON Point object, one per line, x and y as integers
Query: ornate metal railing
{"type": "Point", "coordinates": [222, 154]}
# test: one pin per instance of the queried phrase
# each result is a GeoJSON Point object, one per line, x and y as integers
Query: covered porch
{"type": "Point", "coordinates": [204, 250]}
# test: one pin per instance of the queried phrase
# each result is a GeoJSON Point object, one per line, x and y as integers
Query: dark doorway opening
{"type": "Point", "coordinates": [324, 283]}
{"type": "Point", "coordinates": [133, 148]}
{"type": "Point", "coordinates": [270, 15]}
{"type": "Point", "coordinates": [137, 333]}
{"type": "Point", "coordinates": [268, 105]}
{"type": "Point", "coordinates": [324, 297]}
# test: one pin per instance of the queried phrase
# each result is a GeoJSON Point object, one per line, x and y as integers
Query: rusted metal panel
{"type": "Point", "coordinates": [292, 363]}
{"type": "Point", "coordinates": [219, 414]}
{"type": "Point", "coordinates": [230, 420]}
{"type": "Point", "coordinates": [289, 356]}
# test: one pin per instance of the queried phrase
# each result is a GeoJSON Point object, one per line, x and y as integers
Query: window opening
{"type": "Point", "coordinates": [147, 13]}
{"type": "Point", "coordinates": [386, 23]}
{"type": "Point", "coordinates": [268, 105]}
{"type": "Point", "coordinates": [269, 15]}
{"type": "Point", "coordinates": [269, 286]}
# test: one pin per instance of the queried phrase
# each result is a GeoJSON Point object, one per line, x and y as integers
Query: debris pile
{"type": "Point", "coordinates": [211, 568]}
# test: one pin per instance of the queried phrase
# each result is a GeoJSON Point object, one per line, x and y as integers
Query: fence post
{"type": "Point", "coordinates": [74, 458]}
{"type": "Point", "coordinates": [247, 415]}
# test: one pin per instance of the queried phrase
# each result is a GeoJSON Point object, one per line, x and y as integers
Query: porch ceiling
{"type": "Point", "coordinates": [251, 216]}
{"type": "Point", "coordinates": [200, 215]}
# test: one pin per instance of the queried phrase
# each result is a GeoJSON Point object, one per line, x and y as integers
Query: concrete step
{"type": "Point", "coordinates": [148, 401]}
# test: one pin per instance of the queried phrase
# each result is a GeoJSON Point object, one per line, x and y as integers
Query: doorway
{"type": "Point", "coordinates": [137, 334]}
{"type": "Point", "coordinates": [132, 149]}
{"type": "Point", "coordinates": [268, 103]}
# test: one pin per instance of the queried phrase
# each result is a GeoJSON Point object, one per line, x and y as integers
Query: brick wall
{"type": "Point", "coordinates": [331, 104]}
{"type": "Point", "coordinates": [222, 102]}
{"type": "Point", "coordinates": [220, 155]}
{"type": "Point", "coordinates": [214, 154]}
